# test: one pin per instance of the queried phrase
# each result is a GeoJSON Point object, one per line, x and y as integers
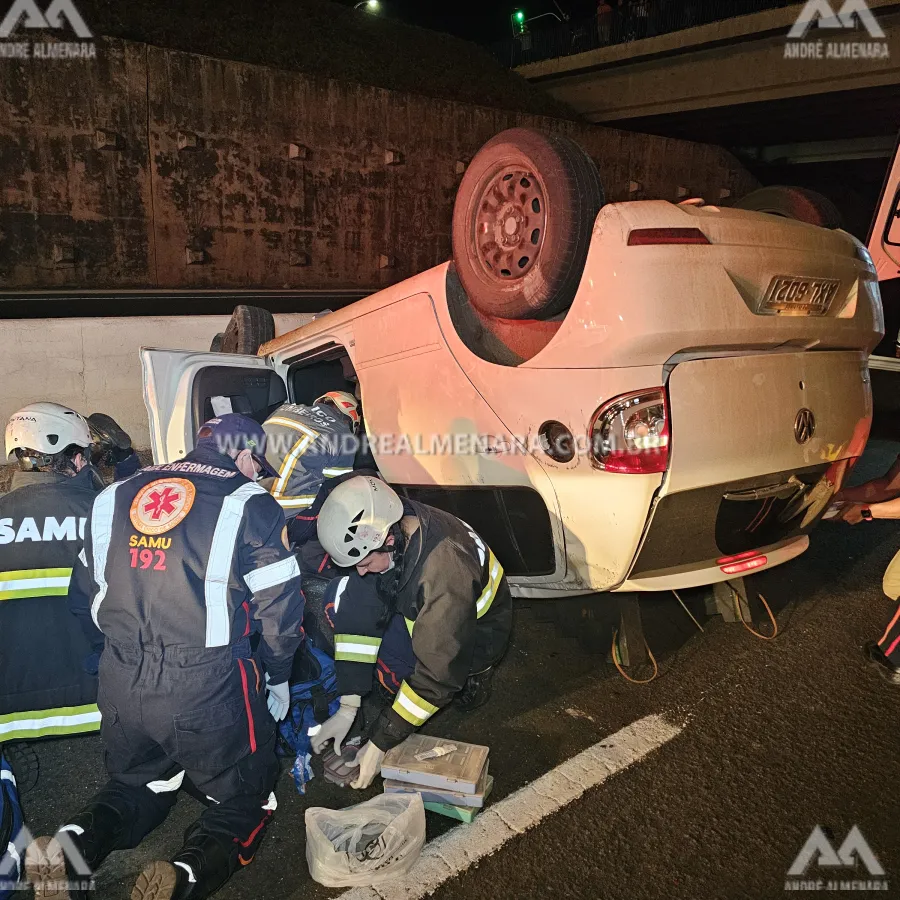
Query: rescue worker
{"type": "Point", "coordinates": [306, 445]}
{"type": "Point", "coordinates": [182, 564]}
{"type": "Point", "coordinates": [428, 609]}
{"type": "Point", "coordinates": [48, 683]}
{"type": "Point", "coordinates": [879, 499]}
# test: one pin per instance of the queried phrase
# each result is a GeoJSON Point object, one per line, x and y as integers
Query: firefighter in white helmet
{"type": "Point", "coordinates": [48, 683]}
{"type": "Point", "coordinates": [307, 446]}
{"type": "Point", "coordinates": [425, 615]}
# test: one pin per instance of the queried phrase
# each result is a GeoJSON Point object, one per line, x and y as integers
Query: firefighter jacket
{"type": "Point", "coordinates": [305, 445]}
{"type": "Point", "coordinates": [45, 689]}
{"type": "Point", "coordinates": [191, 554]}
{"type": "Point", "coordinates": [457, 606]}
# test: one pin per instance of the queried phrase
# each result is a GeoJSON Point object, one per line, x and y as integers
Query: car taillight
{"type": "Point", "coordinates": [642, 237]}
{"type": "Point", "coordinates": [755, 562]}
{"type": "Point", "coordinates": [630, 434]}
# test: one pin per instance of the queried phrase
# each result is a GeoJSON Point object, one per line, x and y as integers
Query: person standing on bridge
{"type": "Point", "coordinates": [182, 564]}
{"type": "Point", "coordinates": [425, 616]}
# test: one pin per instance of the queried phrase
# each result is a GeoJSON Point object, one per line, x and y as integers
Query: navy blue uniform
{"type": "Point", "coordinates": [182, 564]}
{"type": "Point", "coordinates": [46, 684]}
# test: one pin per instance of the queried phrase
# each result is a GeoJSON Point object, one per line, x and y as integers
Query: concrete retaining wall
{"type": "Point", "coordinates": [93, 365]}
{"type": "Point", "coordinates": [153, 168]}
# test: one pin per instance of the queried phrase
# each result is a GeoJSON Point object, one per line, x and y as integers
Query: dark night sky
{"type": "Point", "coordinates": [483, 21]}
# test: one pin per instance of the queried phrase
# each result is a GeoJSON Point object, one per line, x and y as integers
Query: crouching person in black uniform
{"type": "Point", "coordinates": [426, 614]}
{"type": "Point", "coordinates": [182, 564]}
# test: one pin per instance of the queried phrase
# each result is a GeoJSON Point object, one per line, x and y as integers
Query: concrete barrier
{"type": "Point", "coordinates": [93, 365]}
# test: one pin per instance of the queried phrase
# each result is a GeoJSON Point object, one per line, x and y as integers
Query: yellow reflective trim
{"type": "Point", "coordinates": [410, 624]}
{"type": "Point", "coordinates": [20, 584]}
{"type": "Point", "coordinates": [495, 573]}
{"type": "Point", "coordinates": [49, 722]}
{"type": "Point", "coordinates": [410, 706]}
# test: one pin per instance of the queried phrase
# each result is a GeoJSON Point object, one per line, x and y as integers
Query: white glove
{"type": "Point", "coordinates": [369, 760]}
{"type": "Point", "coordinates": [337, 726]}
{"type": "Point", "coordinates": [279, 699]}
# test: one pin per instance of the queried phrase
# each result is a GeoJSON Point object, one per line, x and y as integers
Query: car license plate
{"type": "Point", "coordinates": [793, 295]}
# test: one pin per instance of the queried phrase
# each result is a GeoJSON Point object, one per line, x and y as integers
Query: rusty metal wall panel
{"type": "Point", "coordinates": [75, 199]}
{"type": "Point", "coordinates": [236, 175]}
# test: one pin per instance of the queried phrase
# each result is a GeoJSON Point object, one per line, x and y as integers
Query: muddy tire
{"type": "Point", "coordinates": [522, 223]}
{"type": "Point", "coordinates": [215, 345]}
{"type": "Point", "coordinates": [250, 327]}
{"type": "Point", "coordinates": [795, 203]}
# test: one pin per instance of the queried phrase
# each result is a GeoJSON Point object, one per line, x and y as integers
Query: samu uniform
{"type": "Point", "coordinates": [45, 686]}
{"type": "Point", "coordinates": [453, 618]}
{"type": "Point", "coordinates": [185, 562]}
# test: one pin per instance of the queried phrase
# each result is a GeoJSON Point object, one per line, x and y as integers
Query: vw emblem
{"type": "Point", "coordinates": [804, 426]}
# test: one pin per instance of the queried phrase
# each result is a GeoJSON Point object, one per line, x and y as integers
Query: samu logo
{"type": "Point", "coordinates": [820, 11]}
{"type": "Point", "coordinates": [53, 18]}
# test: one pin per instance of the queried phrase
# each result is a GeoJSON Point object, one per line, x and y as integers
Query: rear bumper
{"type": "Point", "coordinates": [709, 572]}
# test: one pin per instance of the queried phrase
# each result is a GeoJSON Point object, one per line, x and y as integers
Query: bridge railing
{"type": "Point", "coordinates": [632, 20]}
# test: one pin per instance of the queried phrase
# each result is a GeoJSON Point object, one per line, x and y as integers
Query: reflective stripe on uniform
{"type": "Point", "coordinates": [302, 501]}
{"type": "Point", "coordinates": [483, 604]}
{"type": "Point", "coordinates": [47, 722]}
{"type": "Point", "coordinates": [287, 465]}
{"type": "Point", "coordinates": [336, 472]}
{"type": "Point", "coordinates": [410, 624]}
{"type": "Point", "coordinates": [218, 568]}
{"type": "Point", "coordinates": [339, 592]}
{"type": "Point", "coordinates": [101, 536]}
{"type": "Point", "coordinates": [22, 583]}
{"type": "Point", "coordinates": [410, 706]}
{"type": "Point", "coordinates": [272, 575]}
{"type": "Point", "coordinates": [167, 787]}
{"type": "Point", "coordinates": [356, 648]}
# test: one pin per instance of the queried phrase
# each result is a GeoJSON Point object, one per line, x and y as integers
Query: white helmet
{"type": "Point", "coordinates": [356, 517]}
{"type": "Point", "coordinates": [344, 402]}
{"type": "Point", "coordinates": [46, 428]}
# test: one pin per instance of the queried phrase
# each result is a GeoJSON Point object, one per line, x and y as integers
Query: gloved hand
{"type": "Point", "coordinates": [369, 760]}
{"type": "Point", "coordinates": [112, 444]}
{"type": "Point", "coordinates": [279, 698]}
{"type": "Point", "coordinates": [337, 726]}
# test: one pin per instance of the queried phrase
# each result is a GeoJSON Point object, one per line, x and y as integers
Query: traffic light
{"type": "Point", "coordinates": [517, 19]}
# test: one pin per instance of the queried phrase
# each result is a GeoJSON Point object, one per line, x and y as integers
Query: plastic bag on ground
{"type": "Point", "coordinates": [366, 844]}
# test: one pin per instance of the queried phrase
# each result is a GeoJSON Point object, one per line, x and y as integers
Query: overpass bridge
{"type": "Point", "coordinates": [790, 112]}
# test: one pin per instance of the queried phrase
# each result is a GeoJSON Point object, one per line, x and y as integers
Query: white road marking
{"type": "Point", "coordinates": [452, 853]}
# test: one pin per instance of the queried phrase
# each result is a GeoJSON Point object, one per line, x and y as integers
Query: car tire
{"type": "Point", "coordinates": [522, 223]}
{"type": "Point", "coordinates": [250, 327]}
{"type": "Point", "coordinates": [216, 343]}
{"type": "Point", "coordinates": [800, 204]}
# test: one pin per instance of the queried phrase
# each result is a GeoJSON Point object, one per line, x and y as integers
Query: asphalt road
{"type": "Point", "coordinates": [777, 737]}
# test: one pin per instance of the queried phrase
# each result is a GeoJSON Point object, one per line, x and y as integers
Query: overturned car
{"type": "Point", "coordinates": [640, 395]}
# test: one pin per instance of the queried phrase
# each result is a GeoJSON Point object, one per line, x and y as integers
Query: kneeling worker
{"type": "Point", "coordinates": [182, 564]}
{"type": "Point", "coordinates": [428, 606]}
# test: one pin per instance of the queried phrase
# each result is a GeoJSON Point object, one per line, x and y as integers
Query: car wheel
{"type": "Point", "coordinates": [216, 343]}
{"type": "Point", "coordinates": [797, 203]}
{"type": "Point", "coordinates": [250, 327]}
{"type": "Point", "coordinates": [522, 223]}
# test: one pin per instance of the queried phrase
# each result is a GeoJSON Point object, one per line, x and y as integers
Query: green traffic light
{"type": "Point", "coordinates": [520, 16]}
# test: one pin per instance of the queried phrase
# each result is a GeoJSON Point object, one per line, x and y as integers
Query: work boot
{"type": "Point", "coordinates": [161, 881]}
{"type": "Point", "coordinates": [885, 668]}
{"type": "Point", "coordinates": [51, 874]}
{"type": "Point", "coordinates": [476, 691]}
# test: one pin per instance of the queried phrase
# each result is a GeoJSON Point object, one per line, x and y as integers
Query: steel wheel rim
{"type": "Point", "coordinates": [509, 222]}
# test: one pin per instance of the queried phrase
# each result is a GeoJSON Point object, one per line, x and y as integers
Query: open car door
{"type": "Point", "coordinates": [185, 388]}
{"type": "Point", "coordinates": [884, 236]}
